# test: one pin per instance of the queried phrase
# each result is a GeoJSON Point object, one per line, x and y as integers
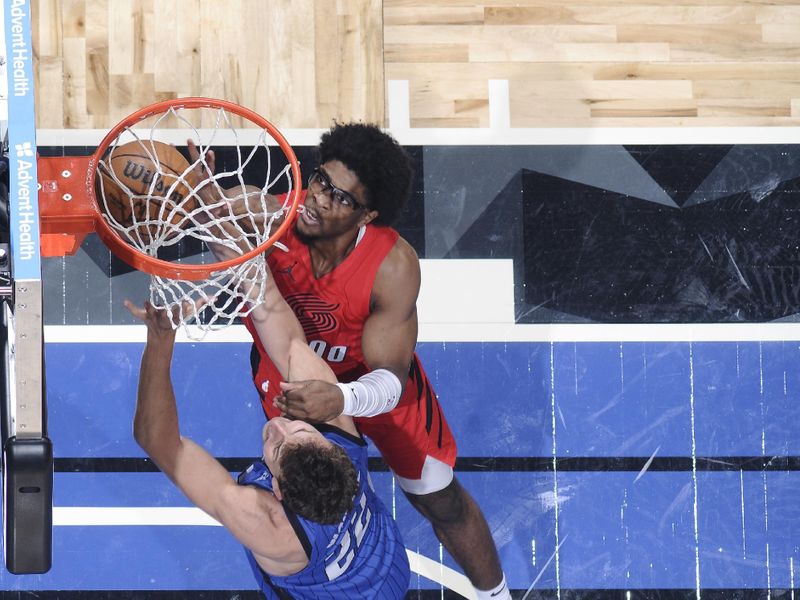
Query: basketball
{"type": "Point", "coordinates": [138, 185]}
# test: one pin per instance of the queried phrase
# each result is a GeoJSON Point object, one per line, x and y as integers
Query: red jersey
{"type": "Point", "coordinates": [332, 310]}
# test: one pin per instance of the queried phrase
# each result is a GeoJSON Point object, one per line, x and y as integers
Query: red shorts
{"type": "Point", "coordinates": [404, 439]}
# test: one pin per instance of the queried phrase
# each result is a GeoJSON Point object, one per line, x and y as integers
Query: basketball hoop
{"type": "Point", "coordinates": [148, 202]}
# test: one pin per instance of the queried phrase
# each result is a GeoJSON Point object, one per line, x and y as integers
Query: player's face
{"type": "Point", "coordinates": [336, 203]}
{"type": "Point", "coordinates": [280, 433]}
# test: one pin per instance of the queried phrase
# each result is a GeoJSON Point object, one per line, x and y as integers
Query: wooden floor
{"type": "Point", "coordinates": [303, 63]}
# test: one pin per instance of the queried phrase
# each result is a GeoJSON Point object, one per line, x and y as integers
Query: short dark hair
{"type": "Point", "coordinates": [379, 162]}
{"type": "Point", "coordinates": [318, 482]}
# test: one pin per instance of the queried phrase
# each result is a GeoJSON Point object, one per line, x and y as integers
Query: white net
{"type": "Point", "coordinates": [217, 200]}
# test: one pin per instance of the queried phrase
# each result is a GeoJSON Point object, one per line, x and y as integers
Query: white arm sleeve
{"type": "Point", "coordinates": [372, 394]}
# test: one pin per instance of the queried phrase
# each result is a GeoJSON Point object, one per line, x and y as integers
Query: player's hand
{"type": "Point", "coordinates": [159, 324]}
{"type": "Point", "coordinates": [208, 191]}
{"type": "Point", "coordinates": [205, 168]}
{"type": "Point", "coordinates": [238, 211]}
{"type": "Point", "coordinates": [314, 401]}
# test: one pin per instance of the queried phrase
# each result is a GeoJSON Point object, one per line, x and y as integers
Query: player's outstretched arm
{"type": "Point", "coordinates": [155, 424]}
{"type": "Point", "coordinates": [285, 342]}
{"type": "Point", "coordinates": [254, 517]}
{"type": "Point", "coordinates": [238, 210]}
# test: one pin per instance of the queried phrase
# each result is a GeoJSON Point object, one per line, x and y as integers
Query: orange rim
{"type": "Point", "coordinates": [162, 268]}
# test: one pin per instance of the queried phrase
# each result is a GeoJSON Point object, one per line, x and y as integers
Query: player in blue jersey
{"type": "Point", "coordinates": [306, 513]}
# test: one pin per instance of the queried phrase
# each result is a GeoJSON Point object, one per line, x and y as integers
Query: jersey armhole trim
{"type": "Point", "coordinates": [298, 530]}
{"type": "Point", "coordinates": [355, 439]}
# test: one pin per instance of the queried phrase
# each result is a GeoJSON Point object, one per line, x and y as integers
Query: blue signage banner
{"type": "Point", "coordinates": [23, 194]}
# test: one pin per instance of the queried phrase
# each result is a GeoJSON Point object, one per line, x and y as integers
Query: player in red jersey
{"type": "Point", "coordinates": [353, 283]}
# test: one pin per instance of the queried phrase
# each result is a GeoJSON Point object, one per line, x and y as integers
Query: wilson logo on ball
{"type": "Point", "coordinates": [135, 172]}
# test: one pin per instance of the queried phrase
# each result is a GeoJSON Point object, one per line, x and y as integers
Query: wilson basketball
{"type": "Point", "coordinates": [139, 184]}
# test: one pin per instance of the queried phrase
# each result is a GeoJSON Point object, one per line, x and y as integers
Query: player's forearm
{"type": "Point", "coordinates": [156, 428]}
{"type": "Point", "coordinates": [393, 369]}
{"type": "Point", "coordinates": [155, 425]}
{"type": "Point", "coordinates": [284, 341]}
{"type": "Point", "coordinates": [389, 343]}
{"type": "Point", "coordinates": [249, 210]}
{"type": "Point", "coordinates": [379, 390]}
{"type": "Point", "coordinates": [372, 394]}
{"type": "Point", "coordinates": [274, 329]}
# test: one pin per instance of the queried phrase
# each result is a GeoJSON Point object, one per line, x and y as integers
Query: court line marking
{"type": "Point", "coordinates": [489, 136]}
{"type": "Point", "coordinates": [441, 574]}
{"type": "Point", "coordinates": [476, 332]}
{"type": "Point", "coordinates": [399, 115]}
{"type": "Point", "coordinates": [80, 516]}
{"type": "Point", "coordinates": [499, 104]}
{"type": "Point", "coordinates": [67, 516]}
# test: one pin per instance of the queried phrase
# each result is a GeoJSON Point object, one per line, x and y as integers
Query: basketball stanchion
{"type": "Point", "coordinates": [27, 451]}
{"type": "Point", "coordinates": [145, 199]}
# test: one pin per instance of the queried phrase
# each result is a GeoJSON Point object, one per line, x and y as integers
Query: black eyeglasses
{"type": "Point", "coordinates": [341, 197]}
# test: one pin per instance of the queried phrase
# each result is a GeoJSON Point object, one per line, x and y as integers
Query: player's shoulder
{"type": "Point", "coordinates": [399, 268]}
{"type": "Point", "coordinates": [401, 258]}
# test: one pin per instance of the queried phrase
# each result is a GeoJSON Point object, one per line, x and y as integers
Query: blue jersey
{"type": "Point", "coordinates": [363, 556]}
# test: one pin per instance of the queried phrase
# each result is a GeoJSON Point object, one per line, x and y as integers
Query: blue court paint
{"type": "Point", "coordinates": [505, 413]}
{"type": "Point", "coordinates": [92, 389]}
{"type": "Point", "coordinates": [142, 558]}
{"type": "Point", "coordinates": [616, 529]}
{"type": "Point", "coordinates": [615, 533]}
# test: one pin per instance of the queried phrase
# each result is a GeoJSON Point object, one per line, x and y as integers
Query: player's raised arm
{"type": "Point", "coordinates": [283, 339]}
{"type": "Point", "coordinates": [254, 517]}
{"type": "Point", "coordinates": [246, 208]}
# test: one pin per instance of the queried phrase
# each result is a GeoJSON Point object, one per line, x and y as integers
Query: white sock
{"type": "Point", "coordinates": [498, 593]}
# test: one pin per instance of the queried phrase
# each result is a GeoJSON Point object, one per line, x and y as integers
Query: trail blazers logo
{"type": "Point", "coordinates": [315, 315]}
